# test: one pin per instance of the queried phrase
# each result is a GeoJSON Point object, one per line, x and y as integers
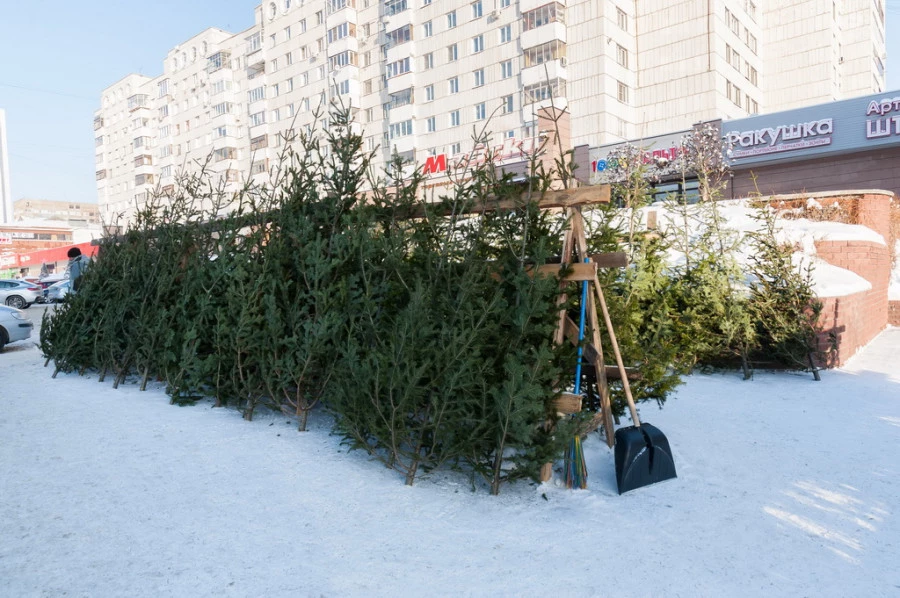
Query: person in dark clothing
{"type": "Point", "coordinates": [78, 263]}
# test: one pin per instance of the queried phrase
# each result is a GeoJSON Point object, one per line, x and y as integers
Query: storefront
{"type": "Point", "coordinates": [845, 145]}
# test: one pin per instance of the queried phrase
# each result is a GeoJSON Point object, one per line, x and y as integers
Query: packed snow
{"type": "Point", "coordinates": [786, 487]}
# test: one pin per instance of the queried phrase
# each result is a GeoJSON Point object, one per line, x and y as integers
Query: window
{"type": "Point", "coordinates": [431, 125]}
{"type": "Point", "coordinates": [429, 60]}
{"type": "Point", "coordinates": [479, 77]}
{"type": "Point", "coordinates": [320, 17]}
{"type": "Point", "coordinates": [753, 77]}
{"type": "Point", "coordinates": [256, 94]}
{"type": "Point", "coordinates": [452, 53]}
{"type": "Point", "coordinates": [257, 118]}
{"type": "Point", "coordinates": [345, 58]}
{"type": "Point", "coordinates": [506, 69]}
{"type": "Point", "coordinates": [225, 153]}
{"type": "Point", "coordinates": [455, 149]}
{"type": "Point", "coordinates": [163, 88]}
{"type": "Point", "coordinates": [622, 94]}
{"type": "Point", "coordinates": [621, 19]}
{"type": "Point", "coordinates": [750, 7]}
{"type": "Point", "coordinates": [392, 7]}
{"type": "Point", "coordinates": [302, 25]}
{"type": "Point", "coordinates": [621, 55]}
{"type": "Point", "coordinates": [220, 86]}
{"type": "Point", "coordinates": [545, 53]}
{"type": "Point", "coordinates": [254, 43]}
{"type": "Point", "coordinates": [163, 111]}
{"type": "Point", "coordinates": [507, 104]}
{"type": "Point", "coordinates": [399, 36]}
{"type": "Point", "coordinates": [401, 129]}
{"type": "Point", "coordinates": [289, 58]}
{"type": "Point", "coordinates": [272, 41]}
{"type": "Point", "coordinates": [275, 116]}
{"type": "Point", "coordinates": [166, 171]}
{"type": "Point", "coordinates": [220, 109]}
{"type": "Point", "coordinates": [341, 31]}
{"type": "Point", "coordinates": [504, 3]}
{"type": "Point", "coordinates": [397, 68]}
{"type": "Point", "coordinates": [549, 13]}
{"type": "Point", "coordinates": [544, 91]}
{"type": "Point", "coordinates": [451, 19]}
{"type": "Point", "coordinates": [506, 34]}
{"type": "Point", "coordinates": [454, 118]}
{"type": "Point", "coordinates": [477, 10]}
{"type": "Point", "coordinates": [478, 44]}
{"type": "Point", "coordinates": [454, 85]}
{"type": "Point", "coordinates": [751, 42]}
{"type": "Point", "coordinates": [258, 167]}
{"type": "Point", "coordinates": [287, 33]}
{"type": "Point", "coordinates": [429, 93]}
{"type": "Point", "coordinates": [219, 132]}
{"type": "Point", "coordinates": [259, 142]}
{"type": "Point", "coordinates": [428, 29]}
{"type": "Point", "coordinates": [732, 21]}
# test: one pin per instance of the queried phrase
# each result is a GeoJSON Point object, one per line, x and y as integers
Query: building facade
{"type": "Point", "coordinates": [74, 214]}
{"type": "Point", "coordinates": [421, 76]}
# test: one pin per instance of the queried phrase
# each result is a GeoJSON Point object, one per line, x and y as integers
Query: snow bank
{"type": "Point", "coordinates": [894, 289]}
{"type": "Point", "coordinates": [785, 487]}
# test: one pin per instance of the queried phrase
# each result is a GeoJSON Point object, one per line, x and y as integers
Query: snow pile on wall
{"type": "Point", "coordinates": [737, 215]}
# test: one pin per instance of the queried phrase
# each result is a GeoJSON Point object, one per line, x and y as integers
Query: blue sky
{"type": "Point", "coordinates": [58, 55]}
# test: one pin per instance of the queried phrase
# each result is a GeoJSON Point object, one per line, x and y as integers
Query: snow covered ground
{"type": "Point", "coordinates": [786, 487]}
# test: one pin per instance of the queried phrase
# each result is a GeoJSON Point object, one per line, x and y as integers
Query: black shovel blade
{"type": "Point", "coordinates": [643, 457]}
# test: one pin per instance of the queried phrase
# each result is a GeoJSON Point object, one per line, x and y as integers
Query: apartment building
{"type": "Point", "coordinates": [74, 214]}
{"type": "Point", "coordinates": [422, 76]}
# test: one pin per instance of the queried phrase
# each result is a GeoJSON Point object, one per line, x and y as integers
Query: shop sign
{"type": "Point", "coordinates": [782, 138]}
{"type": "Point", "coordinates": [845, 126]}
{"type": "Point", "coordinates": [883, 124]}
{"type": "Point", "coordinates": [5, 239]}
{"type": "Point", "coordinates": [8, 260]}
{"type": "Point", "coordinates": [654, 150]}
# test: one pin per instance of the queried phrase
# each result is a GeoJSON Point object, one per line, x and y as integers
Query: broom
{"type": "Point", "coordinates": [575, 468]}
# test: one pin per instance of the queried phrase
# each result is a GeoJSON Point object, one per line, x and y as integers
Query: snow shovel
{"type": "Point", "coordinates": [643, 456]}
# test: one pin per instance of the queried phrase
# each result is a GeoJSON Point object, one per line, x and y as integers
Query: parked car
{"type": "Point", "coordinates": [14, 326]}
{"type": "Point", "coordinates": [46, 282]}
{"type": "Point", "coordinates": [18, 293]}
{"type": "Point", "coordinates": [57, 291]}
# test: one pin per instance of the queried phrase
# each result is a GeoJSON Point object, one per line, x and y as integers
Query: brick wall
{"type": "Point", "coordinates": [851, 321]}
{"type": "Point", "coordinates": [894, 313]}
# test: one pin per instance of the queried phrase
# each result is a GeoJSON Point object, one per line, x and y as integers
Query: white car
{"type": "Point", "coordinates": [19, 293]}
{"type": "Point", "coordinates": [14, 326]}
{"type": "Point", "coordinates": [57, 291]}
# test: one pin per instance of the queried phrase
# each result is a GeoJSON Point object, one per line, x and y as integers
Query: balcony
{"type": "Point", "coordinates": [346, 14]}
{"type": "Point", "coordinates": [536, 74]}
{"type": "Point", "coordinates": [543, 35]}
{"type": "Point", "coordinates": [256, 69]}
{"type": "Point", "coordinates": [218, 61]}
{"type": "Point", "coordinates": [138, 101]}
{"type": "Point", "coordinates": [400, 82]}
